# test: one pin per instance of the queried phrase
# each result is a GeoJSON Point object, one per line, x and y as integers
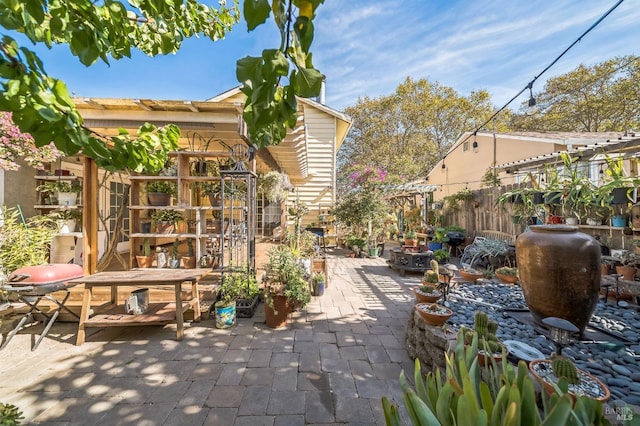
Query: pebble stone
{"type": "Point", "coordinates": [617, 364]}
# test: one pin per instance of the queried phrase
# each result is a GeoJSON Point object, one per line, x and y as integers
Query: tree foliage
{"type": "Point", "coordinates": [271, 106]}
{"type": "Point", "coordinates": [600, 98]}
{"type": "Point", "coordinates": [110, 29]}
{"type": "Point", "coordinates": [408, 132]}
{"type": "Point", "coordinates": [15, 146]}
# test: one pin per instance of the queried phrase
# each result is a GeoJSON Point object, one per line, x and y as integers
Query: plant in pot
{"type": "Point", "coordinates": [66, 219]}
{"type": "Point", "coordinates": [159, 192]}
{"type": "Point", "coordinates": [560, 373]}
{"type": "Point", "coordinates": [439, 237]}
{"type": "Point", "coordinates": [274, 185]}
{"type": "Point", "coordinates": [189, 261]}
{"type": "Point", "coordinates": [286, 287]}
{"type": "Point", "coordinates": [507, 274]}
{"type": "Point", "coordinates": [618, 187]}
{"type": "Point", "coordinates": [146, 259]}
{"type": "Point", "coordinates": [629, 265]}
{"type": "Point", "coordinates": [174, 262]}
{"type": "Point", "coordinates": [433, 313]}
{"type": "Point", "coordinates": [441, 255]}
{"type": "Point", "coordinates": [484, 330]}
{"type": "Point", "coordinates": [249, 295]}
{"type": "Point", "coordinates": [213, 189]}
{"type": "Point", "coordinates": [166, 220]}
{"type": "Point", "coordinates": [225, 306]}
{"type": "Point", "coordinates": [428, 292]}
{"type": "Point", "coordinates": [318, 280]}
{"type": "Point", "coordinates": [410, 238]}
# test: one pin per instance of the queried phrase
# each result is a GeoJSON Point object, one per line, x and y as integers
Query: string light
{"type": "Point", "coordinates": [530, 84]}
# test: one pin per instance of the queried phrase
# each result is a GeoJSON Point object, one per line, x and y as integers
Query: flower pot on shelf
{"type": "Point", "coordinates": [589, 385]}
{"type": "Point", "coordinates": [158, 198]}
{"type": "Point", "coordinates": [165, 227]}
{"type": "Point", "coordinates": [434, 314]}
{"type": "Point", "coordinates": [618, 221]}
{"type": "Point", "coordinates": [144, 261]}
{"type": "Point", "coordinates": [189, 262]}
{"type": "Point", "coordinates": [67, 198]}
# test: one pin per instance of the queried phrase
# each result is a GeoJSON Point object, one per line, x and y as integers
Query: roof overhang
{"type": "Point", "coordinates": [623, 145]}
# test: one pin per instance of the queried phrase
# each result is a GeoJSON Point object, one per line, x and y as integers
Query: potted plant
{"type": "Point", "coordinates": [274, 185]}
{"type": "Point", "coordinates": [66, 219]}
{"type": "Point", "coordinates": [213, 189]}
{"type": "Point", "coordinates": [470, 275]}
{"type": "Point", "coordinates": [318, 280]}
{"type": "Point", "coordinates": [507, 274]}
{"type": "Point", "coordinates": [159, 192]}
{"type": "Point", "coordinates": [439, 237]}
{"type": "Point", "coordinates": [560, 372]}
{"type": "Point", "coordinates": [428, 292]}
{"type": "Point", "coordinates": [189, 261]}
{"type": "Point", "coordinates": [629, 265]}
{"type": "Point", "coordinates": [249, 293]}
{"type": "Point", "coordinates": [146, 259]}
{"type": "Point", "coordinates": [441, 255]}
{"type": "Point", "coordinates": [410, 238]}
{"type": "Point", "coordinates": [166, 220]}
{"type": "Point", "coordinates": [286, 287]}
{"type": "Point", "coordinates": [225, 306]}
{"type": "Point", "coordinates": [434, 314]}
{"type": "Point", "coordinates": [174, 262]}
{"type": "Point", "coordinates": [484, 334]}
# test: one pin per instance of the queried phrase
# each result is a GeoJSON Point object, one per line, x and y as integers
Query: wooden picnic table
{"type": "Point", "coordinates": [157, 313]}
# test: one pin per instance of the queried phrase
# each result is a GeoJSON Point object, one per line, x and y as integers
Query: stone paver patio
{"type": "Point", "coordinates": [331, 365]}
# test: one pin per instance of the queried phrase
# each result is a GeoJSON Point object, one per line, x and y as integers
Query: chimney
{"type": "Point", "coordinates": [321, 97]}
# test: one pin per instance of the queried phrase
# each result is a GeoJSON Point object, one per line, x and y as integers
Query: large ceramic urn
{"type": "Point", "coordinates": [559, 270]}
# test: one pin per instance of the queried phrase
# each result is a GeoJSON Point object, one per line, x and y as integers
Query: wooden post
{"type": "Point", "coordinates": [90, 216]}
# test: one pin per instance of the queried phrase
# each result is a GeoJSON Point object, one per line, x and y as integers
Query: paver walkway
{"type": "Point", "coordinates": [331, 365]}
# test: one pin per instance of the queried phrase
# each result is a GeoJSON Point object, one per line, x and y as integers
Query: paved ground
{"type": "Point", "coordinates": [331, 365]}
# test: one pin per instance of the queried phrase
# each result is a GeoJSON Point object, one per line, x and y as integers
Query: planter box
{"type": "Point", "coordinates": [246, 308]}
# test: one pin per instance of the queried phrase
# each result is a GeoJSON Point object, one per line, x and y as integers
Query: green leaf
{"type": "Point", "coordinates": [560, 412]}
{"type": "Point", "coordinates": [307, 82]}
{"type": "Point", "coordinates": [256, 12]}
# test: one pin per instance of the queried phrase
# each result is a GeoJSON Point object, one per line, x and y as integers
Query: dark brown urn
{"type": "Point", "coordinates": [559, 271]}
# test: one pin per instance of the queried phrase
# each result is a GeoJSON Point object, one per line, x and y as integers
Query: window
{"type": "Point", "coordinates": [465, 146]}
{"type": "Point", "coordinates": [116, 196]}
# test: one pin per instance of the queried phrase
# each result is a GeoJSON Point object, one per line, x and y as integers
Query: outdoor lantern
{"type": "Point", "coordinates": [560, 331]}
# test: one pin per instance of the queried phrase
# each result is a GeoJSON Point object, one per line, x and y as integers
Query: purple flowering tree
{"type": "Point", "coordinates": [16, 145]}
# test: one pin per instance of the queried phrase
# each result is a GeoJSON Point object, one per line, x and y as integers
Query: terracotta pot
{"type": "Point", "coordinates": [410, 242]}
{"type": "Point", "coordinates": [165, 227]}
{"type": "Point", "coordinates": [189, 262]}
{"type": "Point", "coordinates": [468, 276]}
{"type": "Point", "coordinates": [144, 261]}
{"type": "Point", "coordinates": [432, 318]}
{"type": "Point", "coordinates": [549, 389]}
{"type": "Point", "coordinates": [559, 271]}
{"type": "Point", "coordinates": [277, 317]}
{"type": "Point", "coordinates": [425, 297]}
{"type": "Point", "coordinates": [158, 198]}
{"type": "Point", "coordinates": [509, 279]}
{"type": "Point", "coordinates": [484, 359]}
{"type": "Point", "coordinates": [628, 272]}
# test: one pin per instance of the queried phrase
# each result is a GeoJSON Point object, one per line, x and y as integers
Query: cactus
{"type": "Point", "coordinates": [492, 327]}
{"type": "Point", "coordinates": [434, 266]}
{"type": "Point", "coordinates": [146, 247]}
{"type": "Point", "coordinates": [176, 245]}
{"type": "Point", "coordinates": [191, 251]}
{"type": "Point", "coordinates": [480, 321]}
{"type": "Point", "coordinates": [564, 367]}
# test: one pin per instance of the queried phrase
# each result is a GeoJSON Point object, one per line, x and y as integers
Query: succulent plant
{"type": "Point", "coordinates": [564, 367]}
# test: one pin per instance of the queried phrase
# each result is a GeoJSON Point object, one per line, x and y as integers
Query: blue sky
{"type": "Point", "coordinates": [368, 47]}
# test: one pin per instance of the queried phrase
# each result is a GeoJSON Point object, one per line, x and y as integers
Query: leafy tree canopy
{"type": "Point", "coordinates": [406, 133]}
{"type": "Point", "coordinates": [600, 98]}
{"type": "Point", "coordinates": [110, 29]}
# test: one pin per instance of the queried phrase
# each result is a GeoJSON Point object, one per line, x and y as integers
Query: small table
{"type": "Point", "coordinates": [157, 314]}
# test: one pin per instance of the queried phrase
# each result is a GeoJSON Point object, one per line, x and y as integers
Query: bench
{"type": "Point", "coordinates": [496, 236]}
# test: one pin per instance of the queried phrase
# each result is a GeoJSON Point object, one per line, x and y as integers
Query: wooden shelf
{"type": "Point", "coordinates": [157, 314]}
{"type": "Point", "coordinates": [57, 178]}
{"type": "Point", "coordinates": [179, 235]}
